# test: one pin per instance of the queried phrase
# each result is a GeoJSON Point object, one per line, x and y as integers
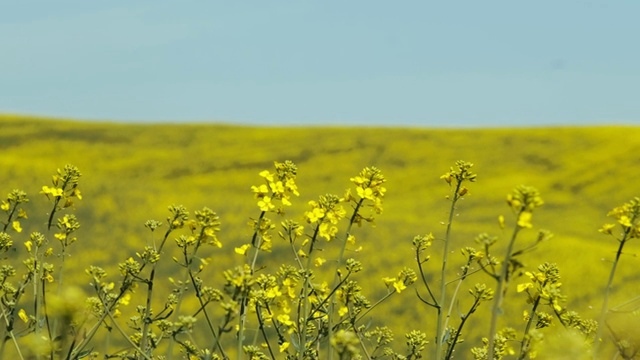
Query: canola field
{"type": "Point", "coordinates": [131, 173]}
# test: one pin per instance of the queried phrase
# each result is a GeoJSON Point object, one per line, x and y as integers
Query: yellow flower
{"type": "Point", "coordinates": [501, 221]}
{"type": "Point", "coordinates": [284, 319]}
{"type": "Point", "coordinates": [53, 191]}
{"type": "Point", "coordinates": [267, 175]}
{"type": "Point", "coordinates": [242, 249]}
{"type": "Point", "coordinates": [277, 187]}
{"type": "Point", "coordinates": [16, 226]}
{"type": "Point", "coordinates": [319, 261]}
{"type": "Point", "coordinates": [388, 280]}
{"type": "Point", "coordinates": [524, 220]}
{"type": "Point", "coordinates": [23, 315]}
{"type": "Point", "coordinates": [273, 292]}
{"type": "Point", "coordinates": [265, 204]}
{"type": "Point", "coordinates": [314, 215]}
{"type": "Point", "coordinates": [4, 206]}
{"type": "Point", "coordinates": [125, 299]}
{"type": "Point", "coordinates": [28, 245]}
{"type": "Point", "coordinates": [399, 286]}
{"type": "Point", "coordinates": [607, 228]}
{"type": "Point", "coordinates": [343, 310]}
{"type": "Point", "coordinates": [624, 221]}
{"type": "Point", "coordinates": [365, 193]}
{"type": "Point", "coordinates": [327, 232]}
{"type": "Point", "coordinates": [284, 346]}
{"type": "Point", "coordinates": [261, 190]}
{"type": "Point", "coordinates": [524, 286]}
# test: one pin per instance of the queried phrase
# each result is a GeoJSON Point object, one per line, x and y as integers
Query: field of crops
{"type": "Point", "coordinates": [132, 173]}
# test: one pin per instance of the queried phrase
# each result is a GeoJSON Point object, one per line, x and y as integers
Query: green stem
{"type": "Point", "coordinates": [499, 293]}
{"type": "Point", "coordinates": [455, 293]}
{"type": "Point", "coordinates": [607, 291]}
{"type": "Point", "coordinates": [524, 344]}
{"type": "Point", "coordinates": [335, 278]}
{"type": "Point", "coordinates": [302, 338]}
{"type": "Point", "coordinates": [443, 274]}
{"type": "Point", "coordinates": [454, 341]}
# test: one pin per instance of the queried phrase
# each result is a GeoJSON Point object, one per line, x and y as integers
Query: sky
{"type": "Point", "coordinates": [349, 62]}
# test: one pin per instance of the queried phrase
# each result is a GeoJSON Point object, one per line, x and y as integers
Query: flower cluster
{"type": "Point", "coordinates": [544, 285]}
{"type": "Point", "coordinates": [523, 200]}
{"type": "Point", "coordinates": [278, 186]}
{"type": "Point", "coordinates": [404, 278]}
{"type": "Point", "coordinates": [369, 186]}
{"type": "Point", "coordinates": [11, 206]}
{"type": "Point", "coordinates": [458, 174]}
{"type": "Point", "coordinates": [325, 214]}
{"type": "Point", "coordinates": [627, 217]}
{"type": "Point", "coordinates": [65, 186]}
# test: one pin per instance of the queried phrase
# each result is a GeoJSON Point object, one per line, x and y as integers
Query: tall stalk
{"type": "Point", "coordinates": [443, 274]}
{"type": "Point", "coordinates": [627, 216]}
{"type": "Point", "coordinates": [458, 174]}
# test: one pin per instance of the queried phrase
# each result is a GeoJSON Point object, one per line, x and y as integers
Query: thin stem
{"type": "Point", "coordinates": [607, 292]}
{"type": "Point", "coordinates": [443, 274]}
{"type": "Point", "coordinates": [305, 297]}
{"type": "Point", "coordinates": [256, 243]}
{"type": "Point", "coordinates": [10, 335]}
{"type": "Point", "coordinates": [459, 331]}
{"type": "Point", "coordinates": [524, 344]}
{"type": "Point", "coordinates": [455, 293]}
{"type": "Point", "coordinates": [499, 293]}
{"type": "Point", "coordinates": [264, 333]}
{"type": "Point", "coordinates": [335, 278]}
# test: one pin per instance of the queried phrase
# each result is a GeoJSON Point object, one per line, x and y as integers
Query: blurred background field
{"type": "Point", "coordinates": [133, 172]}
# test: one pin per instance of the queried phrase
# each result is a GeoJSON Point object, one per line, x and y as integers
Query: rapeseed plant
{"type": "Point", "coordinates": [290, 311]}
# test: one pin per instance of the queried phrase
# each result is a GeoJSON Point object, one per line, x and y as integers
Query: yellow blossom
{"type": "Point", "coordinates": [624, 221]}
{"type": "Point", "coordinates": [242, 249]}
{"type": "Point", "coordinates": [265, 204]}
{"type": "Point", "coordinates": [607, 228]}
{"type": "Point", "coordinates": [343, 311]}
{"type": "Point", "coordinates": [277, 187]}
{"type": "Point", "coordinates": [365, 193]}
{"type": "Point", "coordinates": [267, 175]}
{"type": "Point", "coordinates": [57, 192]}
{"type": "Point", "coordinates": [28, 245]}
{"type": "Point", "coordinates": [501, 221]}
{"type": "Point", "coordinates": [284, 346]}
{"type": "Point", "coordinates": [319, 261]}
{"type": "Point", "coordinates": [4, 206]}
{"type": "Point", "coordinates": [524, 220]}
{"type": "Point", "coordinates": [23, 315]}
{"type": "Point", "coordinates": [125, 299]}
{"type": "Point", "coordinates": [524, 286]}
{"type": "Point", "coordinates": [399, 285]}
{"type": "Point", "coordinates": [16, 226]}
{"type": "Point", "coordinates": [260, 190]}
{"type": "Point", "coordinates": [273, 292]}
{"type": "Point", "coordinates": [284, 319]}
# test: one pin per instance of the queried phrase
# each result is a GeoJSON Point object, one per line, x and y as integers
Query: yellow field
{"type": "Point", "coordinates": [131, 173]}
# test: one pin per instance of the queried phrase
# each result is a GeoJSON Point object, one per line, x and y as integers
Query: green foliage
{"type": "Point", "coordinates": [297, 282]}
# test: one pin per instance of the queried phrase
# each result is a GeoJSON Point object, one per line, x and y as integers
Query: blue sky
{"type": "Point", "coordinates": [414, 63]}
